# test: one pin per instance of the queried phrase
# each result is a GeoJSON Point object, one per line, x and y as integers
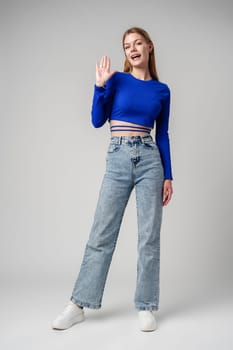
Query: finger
{"type": "Point", "coordinates": [104, 62]}
{"type": "Point", "coordinates": [110, 74]}
{"type": "Point", "coordinates": [164, 201]}
{"type": "Point", "coordinates": [108, 63]}
{"type": "Point", "coordinates": [165, 195]}
{"type": "Point", "coordinates": [168, 196]}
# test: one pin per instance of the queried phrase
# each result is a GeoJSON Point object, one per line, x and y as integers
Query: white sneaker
{"type": "Point", "coordinates": [71, 315]}
{"type": "Point", "coordinates": [147, 320]}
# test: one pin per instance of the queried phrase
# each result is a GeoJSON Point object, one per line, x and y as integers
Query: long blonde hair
{"type": "Point", "coordinates": [151, 63]}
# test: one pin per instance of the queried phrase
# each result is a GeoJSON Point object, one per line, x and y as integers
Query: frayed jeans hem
{"type": "Point", "coordinates": [147, 308]}
{"type": "Point", "coordinates": [85, 304]}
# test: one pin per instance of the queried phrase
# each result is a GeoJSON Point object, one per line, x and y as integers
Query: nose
{"type": "Point", "coordinates": [132, 48]}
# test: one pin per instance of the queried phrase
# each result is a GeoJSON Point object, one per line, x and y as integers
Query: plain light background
{"type": "Point", "coordinates": [52, 159]}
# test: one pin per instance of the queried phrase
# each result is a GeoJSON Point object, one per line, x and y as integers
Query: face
{"type": "Point", "coordinates": [137, 50]}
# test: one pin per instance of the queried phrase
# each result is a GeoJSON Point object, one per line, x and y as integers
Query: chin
{"type": "Point", "coordinates": [138, 65]}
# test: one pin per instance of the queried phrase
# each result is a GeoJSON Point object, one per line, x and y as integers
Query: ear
{"type": "Point", "coordinates": [151, 46]}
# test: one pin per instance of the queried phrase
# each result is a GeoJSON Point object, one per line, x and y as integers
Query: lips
{"type": "Point", "coordinates": [135, 56]}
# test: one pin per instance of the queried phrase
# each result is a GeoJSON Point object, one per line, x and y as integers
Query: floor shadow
{"type": "Point", "coordinates": [109, 311]}
{"type": "Point", "coordinates": [174, 304]}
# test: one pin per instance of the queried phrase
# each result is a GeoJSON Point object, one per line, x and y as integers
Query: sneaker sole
{"type": "Point", "coordinates": [79, 320]}
{"type": "Point", "coordinates": [148, 330]}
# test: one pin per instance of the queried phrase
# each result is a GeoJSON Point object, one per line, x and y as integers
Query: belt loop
{"type": "Point", "coordinates": [142, 139]}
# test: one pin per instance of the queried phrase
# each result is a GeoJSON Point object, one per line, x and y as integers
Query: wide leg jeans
{"type": "Point", "coordinates": [131, 162]}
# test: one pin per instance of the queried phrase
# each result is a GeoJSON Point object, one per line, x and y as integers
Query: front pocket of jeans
{"type": "Point", "coordinates": [113, 148]}
{"type": "Point", "coordinates": [149, 145]}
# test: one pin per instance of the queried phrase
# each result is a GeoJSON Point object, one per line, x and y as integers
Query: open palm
{"type": "Point", "coordinates": [103, 71]}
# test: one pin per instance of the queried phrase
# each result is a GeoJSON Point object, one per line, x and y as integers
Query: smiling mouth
{"type": "Point", "coordinates": [135, 56]}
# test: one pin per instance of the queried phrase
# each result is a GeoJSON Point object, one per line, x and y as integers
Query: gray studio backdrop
{"type": "Point", "coordinates": [53, 159]}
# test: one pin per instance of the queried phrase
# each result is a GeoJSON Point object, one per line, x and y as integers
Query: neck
{"type": "Point", "coordinates": [142, 74]}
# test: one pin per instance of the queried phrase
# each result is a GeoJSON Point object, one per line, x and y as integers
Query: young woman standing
{"type": "Point", "coordinates": [132, 102]}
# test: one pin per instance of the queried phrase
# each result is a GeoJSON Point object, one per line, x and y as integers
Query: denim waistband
{"type": "Point", "coordinates": [132, 139]}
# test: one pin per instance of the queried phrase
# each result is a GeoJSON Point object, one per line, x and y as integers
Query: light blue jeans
{"type": "Point", "coordinates": [131, 161]}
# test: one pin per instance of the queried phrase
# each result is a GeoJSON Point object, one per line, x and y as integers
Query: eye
{"type": "Point", "coordinates": [126, 47]}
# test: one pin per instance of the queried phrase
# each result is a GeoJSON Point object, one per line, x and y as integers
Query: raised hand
{"type": "Point", "coordinates": [103, 71]}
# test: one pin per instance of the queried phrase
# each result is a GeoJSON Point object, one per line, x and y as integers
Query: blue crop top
{"type": "Point", "coordinates": [126, 98]}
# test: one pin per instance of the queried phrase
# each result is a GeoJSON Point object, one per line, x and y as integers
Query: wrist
{"type": "Point", "coordinates": [100, 83]}
{"type": "Point", "coordinates": [100, 88]}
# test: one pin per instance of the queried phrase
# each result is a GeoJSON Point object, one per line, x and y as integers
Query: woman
{"type": "Point", "coordinates": [132, 101]}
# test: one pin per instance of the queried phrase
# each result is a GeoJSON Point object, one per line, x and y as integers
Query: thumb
{"type": "Point", "coordinates": [111, 73]}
